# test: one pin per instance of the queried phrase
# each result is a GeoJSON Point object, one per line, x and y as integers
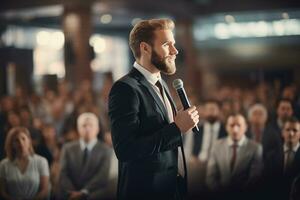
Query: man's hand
{"type": "Point", "coordinates": [187, 119]}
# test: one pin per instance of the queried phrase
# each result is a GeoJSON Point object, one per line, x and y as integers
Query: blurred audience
{"type": "Point", "coordinates": [51, 118]}
{"type": "Point", "coordinates": [23, 174]}
{"type": "Point", "coordinates": [85, 163]}
{"type": "Point", "coordinates": [235, 164]}
{"type": "Point", "coordinates": [282, 164]}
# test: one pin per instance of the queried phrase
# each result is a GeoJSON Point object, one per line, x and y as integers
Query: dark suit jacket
{"type": "Point", "coordinates": [198, 138]}
{"type": "Point", "coordinates": [144, 140]}
{"type": "Point", "coordinates": [272, 136]}
{"type": "Point", "coordinates": [279, 182]}
{"type": "Point", "coordinates": [92, 176]}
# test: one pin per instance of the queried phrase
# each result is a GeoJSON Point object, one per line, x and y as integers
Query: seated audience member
{"type": "Point", "coordinates": [211, 130]}
{"type": "Point", "coordinates": [85, 163]}
{"type": "Point", "coordinates": [23, 174]}
{"type": "Point", "coordinates": [282, 164]}
{"type": "Point", "coordinates": [273, 137]}
{"type": "Point", "coordinates": [257, 117]}
{"type": "Point", "coordinates": [235, 163]}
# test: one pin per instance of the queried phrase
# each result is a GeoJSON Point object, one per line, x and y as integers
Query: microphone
{"type": "Point", "coordinates": [178, 85]}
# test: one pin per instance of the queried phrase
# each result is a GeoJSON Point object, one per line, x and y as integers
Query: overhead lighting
{"type": "Point", "coordinates": [229, 19]}
{"type": "Point", "coordinates": [285, 15]}
{"type": "Point", "coordinates": [106, 19]}
{"type": "Point", "coordinates": [54, 40]}
{"type": "Point", "coordinates": [43, 38]}
{"type": "Point", "coordinates": [98, 43]}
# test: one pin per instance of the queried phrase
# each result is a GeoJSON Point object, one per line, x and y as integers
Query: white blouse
{"type": "Point", "coordinates": [23, 185]}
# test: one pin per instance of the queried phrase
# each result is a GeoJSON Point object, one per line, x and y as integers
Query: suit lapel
{"type": "Point", "coordinates": [225, 158]}
{"type": "Point", "coordinates": [149, 87]}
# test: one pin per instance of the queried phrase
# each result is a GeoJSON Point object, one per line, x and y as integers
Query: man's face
{"type": "Point", "coordinates": [164, 52]}
{"type": "Point", "coordinates": [284, 110]}
{"type": "Point", "coordinates": [291, 133]}
{"type": "Point", "coordinates": [212, 112]}
{"type": "Point", "coordinates": [88, 129]}
{"type": "Point", "coordinates": [236, 127]}
{"type": "Point", "coordinates": [258, 117]}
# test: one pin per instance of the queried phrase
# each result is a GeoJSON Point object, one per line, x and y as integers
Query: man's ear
{"type": "Point", "coordinates": [145, 48]}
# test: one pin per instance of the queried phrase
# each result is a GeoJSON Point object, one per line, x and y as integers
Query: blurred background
{"type": "Point", "coordinates": [59, 58]}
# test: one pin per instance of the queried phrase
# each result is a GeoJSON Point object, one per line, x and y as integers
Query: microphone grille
{"type": "Point", "coordinates": [177, 84]}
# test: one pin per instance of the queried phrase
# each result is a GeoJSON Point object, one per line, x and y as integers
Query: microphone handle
{"type": "Point", "coordinates": [186, 104]}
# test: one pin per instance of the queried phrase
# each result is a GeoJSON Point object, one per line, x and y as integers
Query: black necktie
{"type": "Point", "coordinates": [158, 84]}
{"type": "Point", "coordinates": [85, 156]}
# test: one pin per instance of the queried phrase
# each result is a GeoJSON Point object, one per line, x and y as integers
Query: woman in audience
{"type": "Point", "coordinates": [23, 174]}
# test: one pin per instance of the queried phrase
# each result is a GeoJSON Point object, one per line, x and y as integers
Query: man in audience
{"type": "Point", "coordinates": [85, 163]}
{"type": "Point", "coordinates": [273, 137]}
{"type": "Point", "coordinates": [257, 117]}
{"type": "Point", "coordinates": [282, 164]}
{"type": "Point", "coordinates": [235, 163]}
{"type": "Point", "coordinates": [211, 130]}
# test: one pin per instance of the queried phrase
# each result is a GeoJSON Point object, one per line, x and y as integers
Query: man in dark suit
{"type": "Point", "coordinates": [272, 136]}
{"type": "Point", "coordinates": [146, 130]}
{"type": "Point", "coordinates": [84, 163]}
{"type": "Point", "coordinates": [211, 130]}
{"type": "Point", "coordinates": [282, 164]}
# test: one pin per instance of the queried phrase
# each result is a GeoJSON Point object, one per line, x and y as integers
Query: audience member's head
{"type": "Point", "coordinates": [289, 92]}
{"type": "Point", "coordinates": [25, 116]}
{"type": "Point", "coordinates": [88, 126]}
{"type": "Point", "coordinates": [236, 126]}
{"type": "Point", "coordinates": [212, 110]}
{"type": "Point", "coordinates": [13, 119]}
{"type": "Point", "coordinates": [7, 104]}
{"type": "Point", "coordinates": [284, 109]}
{"type": "Point", "coordinates": [18, 143]}
{"type": "Point", "coordinates": [291, 131]}
{"type": "Point", "coordinates": [257, 115]}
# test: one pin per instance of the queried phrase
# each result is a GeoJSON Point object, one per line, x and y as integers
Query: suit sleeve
{"type": "Point", "coordinates": [124, 113]}
{"type": "Point", "coordinates": [97, 185]}
{"type": "Point", "coordinates": [256, 167]}
{"type": "Point", "coordinates": [64, 179]}
{"type": "Point", "coordinates": [213, 174]}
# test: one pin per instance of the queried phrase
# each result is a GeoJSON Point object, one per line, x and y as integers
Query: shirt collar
{"type": "Point", "coordinates": [241, 142]}
{"type": "Point", "coordinates": [150, 77]}
{"type": "Point", "coordinates": [295, 148]}
{"type": "Point", "coordinates": [89, 145]}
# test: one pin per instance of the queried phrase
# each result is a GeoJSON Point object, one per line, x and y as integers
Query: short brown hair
{"type": "Point", "coordinates": [143, 31]}
{"type": "Point", "coordinates": [9, 148]}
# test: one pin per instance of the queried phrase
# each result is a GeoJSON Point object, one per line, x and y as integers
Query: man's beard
{"type": "Point", "coordinates": [211, 119]}
{"type": "Point", "coordinates": [162, 64]}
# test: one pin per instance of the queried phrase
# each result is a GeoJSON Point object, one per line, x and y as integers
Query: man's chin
{"type": "Point", "coordinates": [170, 70]}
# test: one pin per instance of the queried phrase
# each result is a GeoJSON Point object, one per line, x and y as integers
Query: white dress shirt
{"type": "Point", "coordinates": [210, 135]}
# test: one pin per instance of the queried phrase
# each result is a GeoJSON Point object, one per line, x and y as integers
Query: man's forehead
{"type": "Point", "coordinates": [292, 124]}
{"type": "Point", "coordinates": [88, 120]}
{"type": "Point", "coordinates": [236, 119]}
{"type": "Point", "coordinates": [164, 35]}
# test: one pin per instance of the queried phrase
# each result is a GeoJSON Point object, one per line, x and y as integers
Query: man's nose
{"type": "Point", "coordinates": [291, 133]}
{"type": "Point", "coordinates": [236, 128]}
{"type": "Point", "coordinates": [174, 51]}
